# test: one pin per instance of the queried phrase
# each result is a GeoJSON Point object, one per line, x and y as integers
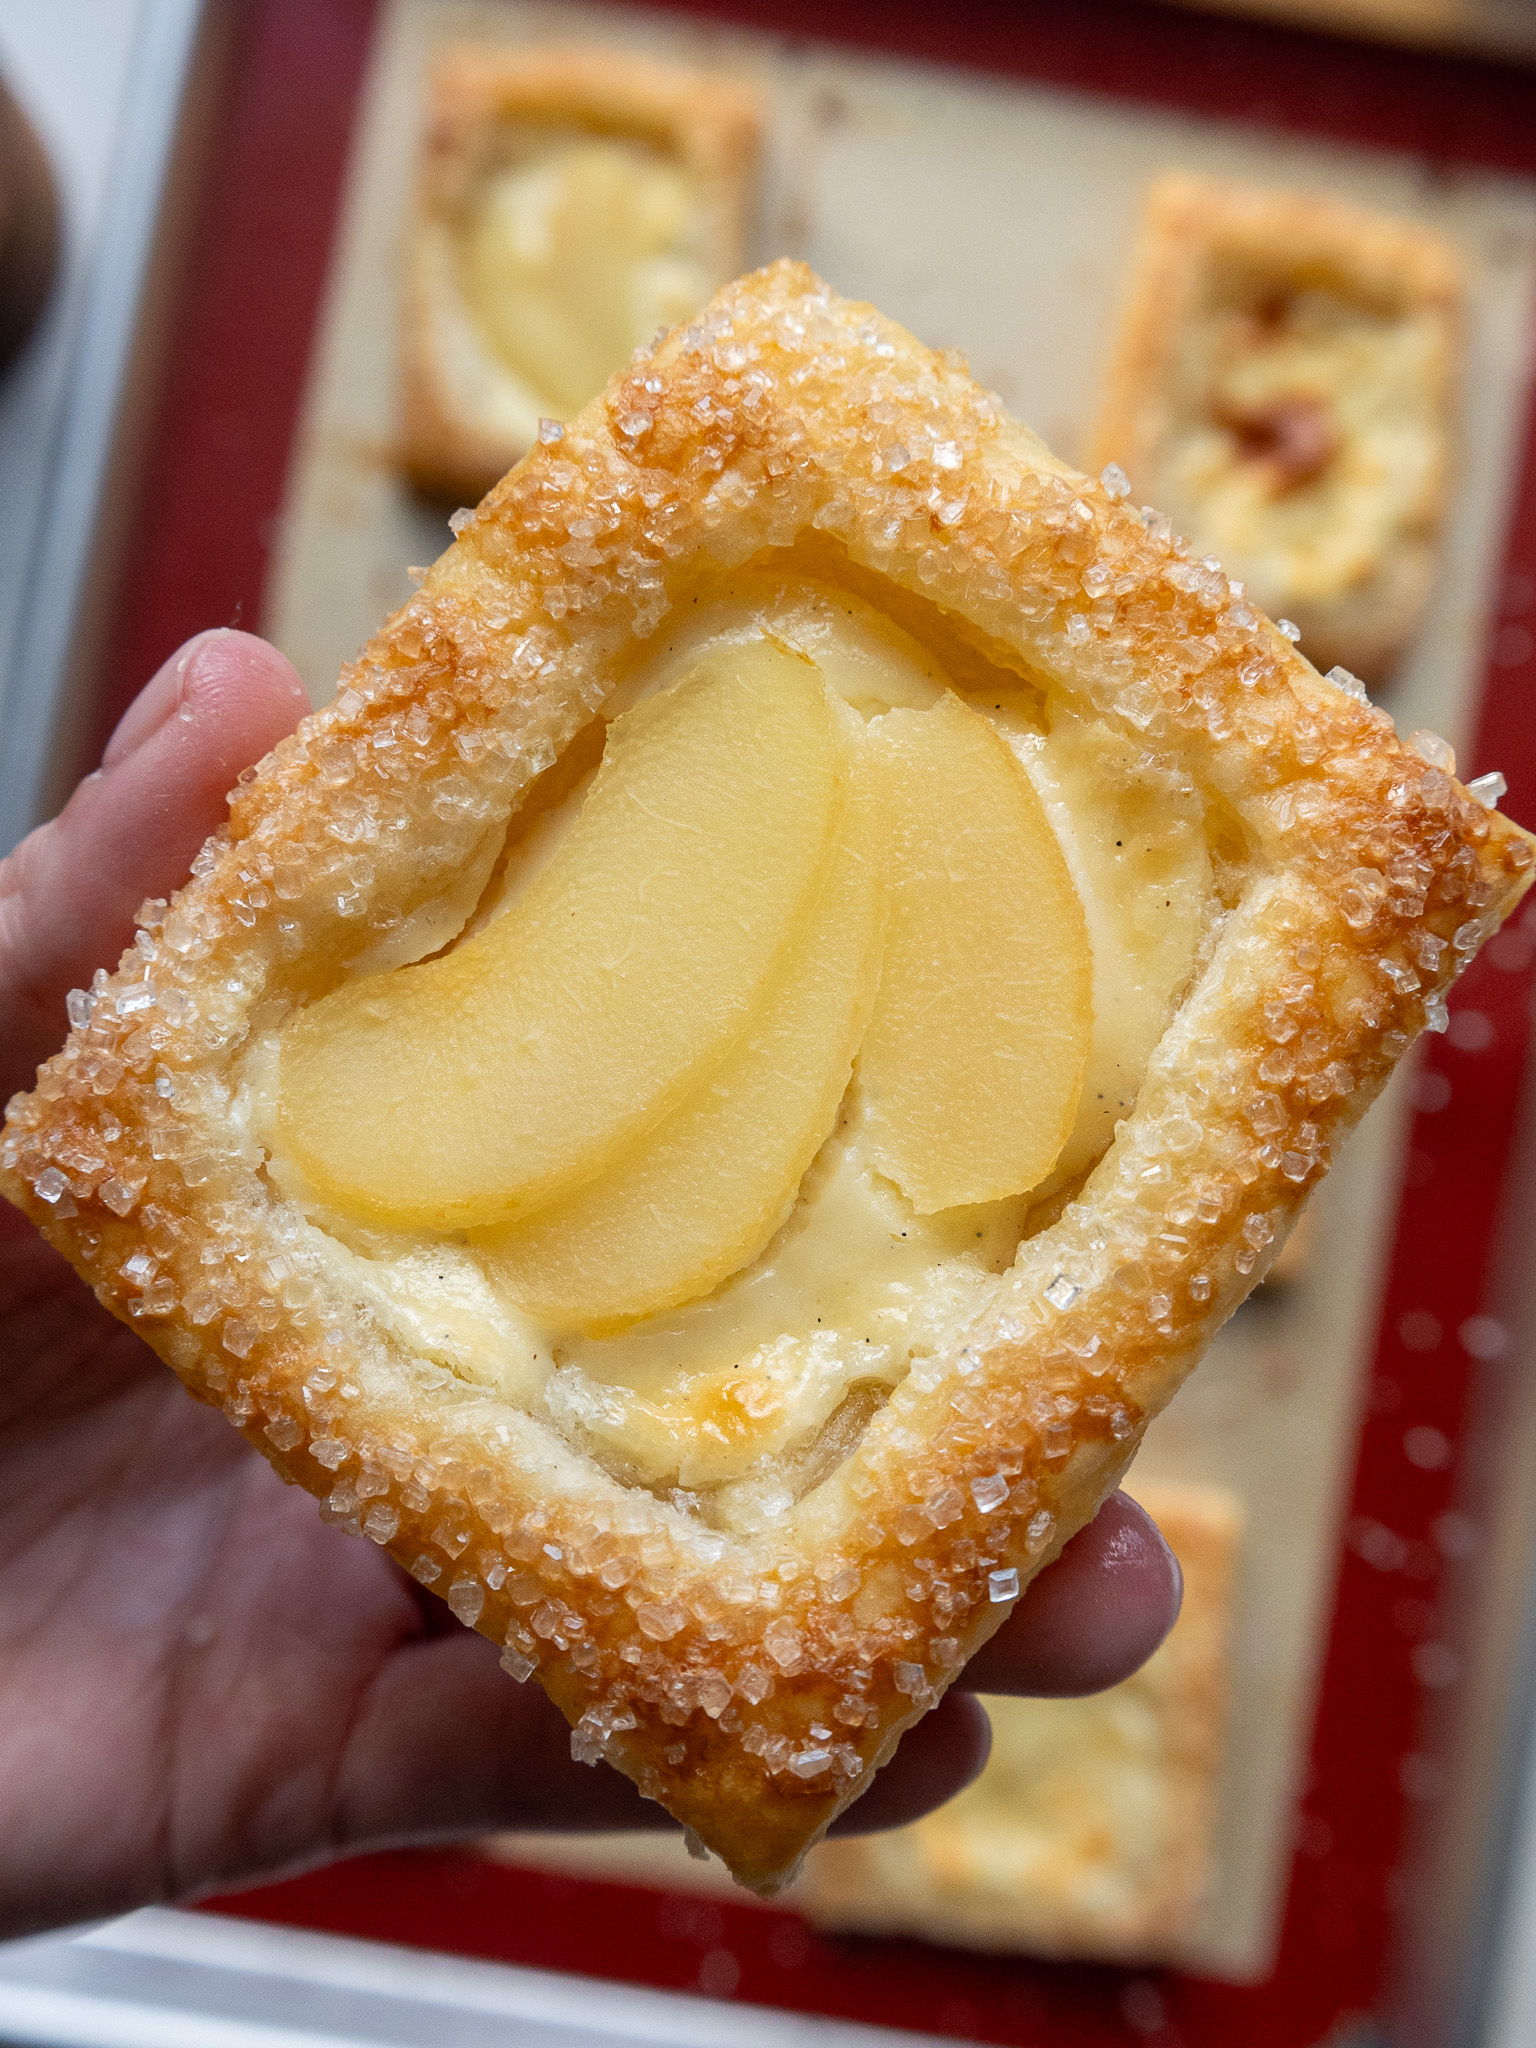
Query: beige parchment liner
{"type": "Point", "coordinates": [1361, 877]}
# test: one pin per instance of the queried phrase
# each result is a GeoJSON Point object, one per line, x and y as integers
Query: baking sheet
{"type": "Point", "coordinates": [997, 218]}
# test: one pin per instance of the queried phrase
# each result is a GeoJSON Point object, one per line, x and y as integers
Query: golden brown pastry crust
{"type": "Point", "coordinates": [1362, 877]}
{"type": "Point", "coordinates": [1202, 243]}
{"type": "Point", "coordinates": [479, 94]}
{"type": "Point", "coordinates": [1123, 1886]}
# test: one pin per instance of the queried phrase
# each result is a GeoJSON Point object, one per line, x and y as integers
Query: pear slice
{"type": "Point", "coordinates": [699, 1197]}
{"type": "Point", "coordinates": [472, 1088]}
{"type": "Point", "coordinates": [975, 1053]}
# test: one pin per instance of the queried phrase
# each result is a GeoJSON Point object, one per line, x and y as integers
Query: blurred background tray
{"type": "Point", "coordinates": [1420, 1324]}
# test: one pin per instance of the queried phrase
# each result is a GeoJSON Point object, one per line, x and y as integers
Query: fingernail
{"type": "Point", "coordinates": [163, 697]}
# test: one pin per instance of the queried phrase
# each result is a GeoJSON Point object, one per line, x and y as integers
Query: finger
{"type": "Point", "coordinates": [447, 1746]}
{"type": "Point", "coordinates": [69, 892]}
{"type": "Point", "coordinates": [938, 1757]}
{"type": "Point", "coordinates": [1091, 1618]}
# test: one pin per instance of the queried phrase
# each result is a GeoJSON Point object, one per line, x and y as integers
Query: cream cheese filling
{"type": "Point", "coordinates": [737, 1401]}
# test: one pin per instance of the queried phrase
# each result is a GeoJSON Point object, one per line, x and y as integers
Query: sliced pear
{"type": "Point", "coordinates": [472, 1088]}
{"type": "Point", "coordinates": [701, 1195]}
{"type": "Point", "coordinates": [975, 1053]}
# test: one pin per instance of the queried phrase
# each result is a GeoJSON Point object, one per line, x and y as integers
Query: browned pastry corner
{"type": "Point", "coordinates": [1282, 385]}
{"type": "Point", "coordinates": [494, 115]}
{"type": "Point", "coordinates": [752, 1678]}
{"type": "Point", "coordinates": [1090, 1831]}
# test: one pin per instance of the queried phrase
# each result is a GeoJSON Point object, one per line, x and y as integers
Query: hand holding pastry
{"type": "Point", "coordinates": [200, 1684]}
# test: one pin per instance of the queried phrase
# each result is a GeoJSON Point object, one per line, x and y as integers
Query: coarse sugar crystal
{"type": "Point", "coordinates": [120, 1195]}
{"type": "Point", "coordinates": [714, 1694]}
{"type": "Point", "coordinates": [1434, 750]}
{"type": "Point", "coordinates": [754, 1684]}
{"type": "Point", "coordinates": [784, 1644]}
{"type": "Point", "coordinates": [1062, 1292]}
{"type": "Point", "coordinates": [466, 1596]}
{"type": "Point", "coordinates": [810, 1762]}
{"type": "Point", "coordinates": [944, 1508]}
{"type": "Point", "coordinates": [659, 1619]}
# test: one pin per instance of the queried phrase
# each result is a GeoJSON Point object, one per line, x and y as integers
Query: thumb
{"type": "Point", "coordinates": [69, 892]}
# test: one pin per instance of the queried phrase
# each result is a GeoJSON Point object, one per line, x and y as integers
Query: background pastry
{"type": "Point", "coordinates": [1282, 388]}
{"type": "Point", "coordinates": [849, 546]}
{"type": "Point", "coordinates": [1089, 1833]}
{"type": "Point", "coordinates": [569, 203]}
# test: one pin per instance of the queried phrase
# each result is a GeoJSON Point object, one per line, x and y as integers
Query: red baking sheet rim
{"type": "Point", "coordinates": [211, 493]}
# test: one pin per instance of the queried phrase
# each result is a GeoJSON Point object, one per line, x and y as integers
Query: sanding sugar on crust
{"type": "Point", "coordinates": [754, 1683]}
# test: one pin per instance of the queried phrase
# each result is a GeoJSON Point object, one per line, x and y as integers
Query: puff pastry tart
{"type": "Point", "coordinates": [1282, 386]}
{"type": "Point", "coordinates": [569, 203]}
{"type": "Point", "coordinates": [1089, 1833]}
{"type": "Point", "coordinates": [707, 1098]}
